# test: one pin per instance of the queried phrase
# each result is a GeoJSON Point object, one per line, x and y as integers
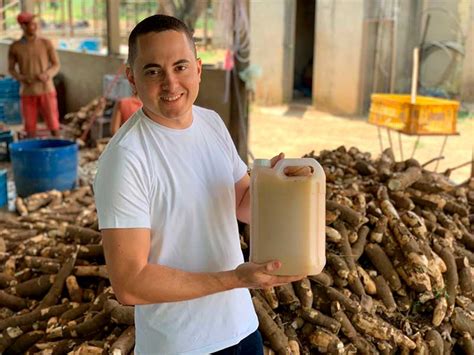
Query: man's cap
{"type": "Point", "coordinates": [25, 17]}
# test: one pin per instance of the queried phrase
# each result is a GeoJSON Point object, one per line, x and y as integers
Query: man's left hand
{"type": "Point", "coordinates": [292, 170]}
{"type": "Point", "coordinates": [276, 159]}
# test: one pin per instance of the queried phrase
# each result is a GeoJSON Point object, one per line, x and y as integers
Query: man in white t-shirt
{"type": "Point", "coordinates": [168, 190]}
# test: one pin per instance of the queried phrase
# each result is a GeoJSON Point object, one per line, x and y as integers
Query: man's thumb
{"type": "Point", "coordinates": [272, 266]}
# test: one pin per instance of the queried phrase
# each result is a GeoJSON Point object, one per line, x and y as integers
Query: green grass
{"type": "Point", "coordinates": [211, 56]}
{"type": "Point", "coordinates": [465, 115]}
{"type": "Point", "coordinates": [200, 23]}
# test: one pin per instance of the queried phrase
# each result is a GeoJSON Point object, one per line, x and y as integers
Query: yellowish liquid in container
{"type": "Point", "coordinates": [288, 218]}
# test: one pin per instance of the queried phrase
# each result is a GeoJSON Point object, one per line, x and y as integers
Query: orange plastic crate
{"type": "Point", "coordinates": [429, 115]}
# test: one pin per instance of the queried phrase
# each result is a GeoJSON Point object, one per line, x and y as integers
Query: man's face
{"type": "Point", "coordinates": [30, 28]}
{"type": "Point", "coordinates": [166, 76]}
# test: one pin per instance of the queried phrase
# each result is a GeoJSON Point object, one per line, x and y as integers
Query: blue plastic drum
{"type": "Point", "coordinates": [44, 164]}
{"type": "Point", "coordinates": [3, 188]}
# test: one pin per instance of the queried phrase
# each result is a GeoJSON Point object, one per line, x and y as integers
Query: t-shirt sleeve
{"type": "Point", "coordinates": [121, 191]}
{"type": "Point", "coordinates": [239, 167]}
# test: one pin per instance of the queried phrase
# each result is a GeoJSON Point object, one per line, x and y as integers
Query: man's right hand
{"type": "Point", "coordinates": [24, 79]}
{"type": "Point", "coordinates": [253, 275]}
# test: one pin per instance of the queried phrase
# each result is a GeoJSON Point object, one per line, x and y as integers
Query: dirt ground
{"type": "Point", "coordinates": [299, 130]}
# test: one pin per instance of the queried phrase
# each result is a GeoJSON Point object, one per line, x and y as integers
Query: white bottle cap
{"type": "Point", "coordinates": [266, 163]}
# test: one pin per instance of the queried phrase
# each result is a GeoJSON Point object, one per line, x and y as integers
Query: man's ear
{"type": "Point", "coordinates": [199, 67]}
{"type": "Point", "coordinates": [131, 78]}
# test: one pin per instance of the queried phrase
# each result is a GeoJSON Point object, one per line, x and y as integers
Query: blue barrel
{"type": "Point", "coordinates": [3, 188]}
{"type": "Point", "coordinates": [43, 164]}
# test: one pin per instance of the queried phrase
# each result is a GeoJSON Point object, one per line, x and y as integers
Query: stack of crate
{"type": "Point", "coordinates": [10, 101]}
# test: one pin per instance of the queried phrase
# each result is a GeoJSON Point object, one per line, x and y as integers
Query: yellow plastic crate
{"type": "Point", "coordinates": [429, 115]}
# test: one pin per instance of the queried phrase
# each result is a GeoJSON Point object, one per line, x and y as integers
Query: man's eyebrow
{"type": "Point", "coordinates": [154, 65]}
{"type": "Point", "coordinates": [151, 65]}
{"type": "Point", "coordinates": [181, 61]}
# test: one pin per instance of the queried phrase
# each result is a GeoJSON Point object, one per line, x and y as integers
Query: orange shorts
{"type": "Point", "coordinates": [46, 105]}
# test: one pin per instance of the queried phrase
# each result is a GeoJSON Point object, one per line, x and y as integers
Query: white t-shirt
{"type": "Point", "coordinates": [180, 185]}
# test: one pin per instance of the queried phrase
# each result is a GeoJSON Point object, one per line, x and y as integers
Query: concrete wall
{"type": "Point", "coordinates": [407, 36]}
{"type": "Point", "coordinates": [448, 21]}
{"type": "Point", "coordinates": [272, 28]}
{"type": "Point", "coordinates": [449, 24]}
{"type": "Point", "coordinates": [212, 93]}
{"type": "Point", "coordinates": [467, 84]}
{"type": "Point", "coordinates": [376, 61]}
{"type": "Point", "coordinates": [347, 50]}
{"type": "Point", "coordinates": [338, 53]}
{"type": "Point", "coordinates": [3, 58]}
{"type": "Point", "coordinates": [83, 74]}
{"type": "Point", "coordinates": [391, 31]}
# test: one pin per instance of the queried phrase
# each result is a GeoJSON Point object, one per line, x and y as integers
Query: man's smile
{"type": "Point", "coordinates": [169, 98]}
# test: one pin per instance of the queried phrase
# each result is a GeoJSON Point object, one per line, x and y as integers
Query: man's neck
{"type": "Point", "coordinates": [181, 123]}
{"type": "Point", "coordinates": [29, 37]}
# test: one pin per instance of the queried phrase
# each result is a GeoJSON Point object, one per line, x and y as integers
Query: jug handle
{"type": "Point", "coordinates": [284, 163]}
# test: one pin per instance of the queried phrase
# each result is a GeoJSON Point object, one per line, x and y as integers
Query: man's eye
{"type": "Point", "coordinates": [153, 72]}
{"type": "Point", "coordinates": [181, 67]}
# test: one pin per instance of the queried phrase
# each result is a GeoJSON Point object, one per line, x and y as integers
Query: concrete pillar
{"type": "Point", "coordinates": [338, 53]}
{"type": "Point", "coordinates": [272, 31]}
{"type": "Point", "coordinates": [113, 27]}
{"type": "Point", "coordinates": [28, 5]}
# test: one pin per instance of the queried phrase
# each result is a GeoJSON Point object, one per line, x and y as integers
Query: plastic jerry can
{"type": "Point", "coordinates": [288, 216]}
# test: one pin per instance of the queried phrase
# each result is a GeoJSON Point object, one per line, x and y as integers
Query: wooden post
{"type": "Point", "coordinates": [2, 16]}
{"type": "Point", "coordinates": [63, 16]}
{"type": "Point", "coordinates": [238, 125]}
{"type": "Point", "coordinates": [414, 77]}
{"type": "Point", "coordinates": [55, 15]}
{"type": "Point", "coordinates": [127, 20]}
{"type": "Point", "coordinates": [472, 164]}
{"type": "Point", "coordinates": [94, 17]}
{"type": "Point", "coordinates": [83, 9]}
{"type": "Point", "coordinates": [206, 19]}
{"type": "Point", "coordinates": [39, 6]}
{"type": "Point", "coordinates": [28, 5]}
{"type": "Point", "coordinates": [113, 27]}
{"type": "Point", "coordinates": [70, 18]}
{"type": "Point", "coordinates": [414, 91]}
{"type": "Point", "coordinates": [135, 12]}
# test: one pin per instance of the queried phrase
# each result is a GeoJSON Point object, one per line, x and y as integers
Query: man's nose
{"type": "Point", "coordinates": [169, 81]}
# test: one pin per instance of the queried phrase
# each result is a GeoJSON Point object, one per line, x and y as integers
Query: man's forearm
{"type": "Point", "coordinates": [159, 284]}
{"type": "Point", "coordinates": [15, 74]}
{"type": "Point", "coordinates": [53, 61]}
{"type": "Point", "coordinates": [53, 70]}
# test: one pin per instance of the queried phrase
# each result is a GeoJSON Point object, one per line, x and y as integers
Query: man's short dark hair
{"type": "Point", "coordinates": [156, 23]}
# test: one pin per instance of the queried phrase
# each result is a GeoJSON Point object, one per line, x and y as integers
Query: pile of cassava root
{"type": "Point", "coordinates": [399, 272]}
{"type": "Point", "coordinates": [88, 161]}
{"type": "Point", "coordinates": [398, 278]}
{"type": "Point", "coordinates": [56, 296]}
{"type": "Point", "coordinates": [79, 124]}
